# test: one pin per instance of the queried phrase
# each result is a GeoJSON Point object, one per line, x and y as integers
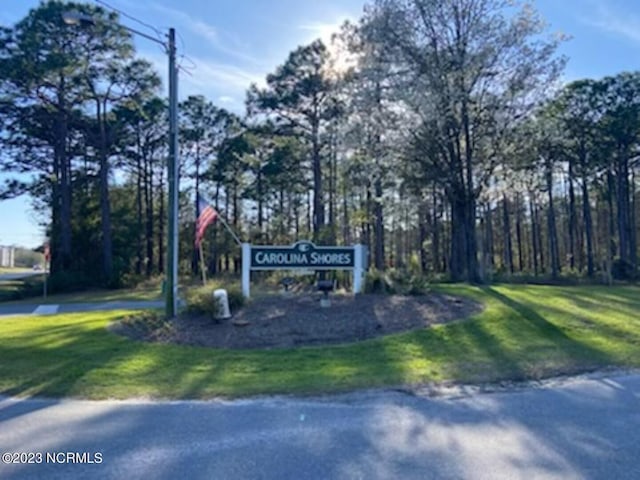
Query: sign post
{"type": "Point", "coordinates": [358, 269]}
{"type": "Point", "coordinates": [301, 255]}
{"type": "Point", "coordinates": [246, 269]}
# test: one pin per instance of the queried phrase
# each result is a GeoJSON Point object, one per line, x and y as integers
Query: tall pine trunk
{"type": "Point", "coordinates": [633, 239]}
{"type": "Point", "coordinates": [105, 206]}
{"type": "Point", "coordinates": [551, 224]}
{"type": "Point", "coordinates": [519, 232]}
{"type": "Point", "coordinates": [148, 202]}
{"type": "Point", "coordinates": [506, 232]}
{"type": "Point", "coordinates": [622, 200]}
{"type": "Point", "coordinates": [379, 225]}
{"type": "Point", "coordinates": [534, 234]}
{"type": "Point", "coordinates": [425, 224]}
{"type": "Point", "coordinates": [195, 256]}
{"type": "Point", "coordinates": [139, 249]}
{"type": "Point", "coordinates": [572, 218]}
{"type": "Point", "coordinates": [458, 254]}
{"type": "Point", "coordinates": [346, 229]}
{"type": "Point", "coordinates": [64, 164]}
{"type": "Point", "coordinates": [161, 222]}
{"type": "Point", "coordinates": [586, 212]}
{"type": "Point", "coordinates": [318, 194]}
{"type": "Point", "coordinates": [611, 244]}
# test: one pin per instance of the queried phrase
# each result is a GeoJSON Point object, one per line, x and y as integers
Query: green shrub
{"type": "Point", "coordinates": [72, 281]}
{"type": "Point", "coordinates": [376, 281]}
{"type": "Point", "coordinates": [200, 300]}
{"type": "Point", "coordinates": [622, 270]}
{"type": "Point", "coordinates": [417, 285]}
{"type": "Point", "coordinates": [406, 283]}
{"type": "Point", "coordinates": [414, 264]}
{"type": "Point", "coordinates": [395, 281]}
{"type": "Point", "coordinates": [235, 297]}
{"type": "Point", "coordinates": [131, 280]}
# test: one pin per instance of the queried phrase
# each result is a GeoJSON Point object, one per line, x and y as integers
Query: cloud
{"type": "Point", "coordinates": [325, 30]}
{"type": "Point", "coordinates": [201, 76]}
{"type": "Point", "coordinates": [210, 33]}
{"type": "Point", "coordinates": [606, 17]}
{"type": "Point", "coordinates": [208, 73]}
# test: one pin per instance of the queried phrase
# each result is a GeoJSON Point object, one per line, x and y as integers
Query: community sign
{"type": "Point", "coordinates": [303, 254]}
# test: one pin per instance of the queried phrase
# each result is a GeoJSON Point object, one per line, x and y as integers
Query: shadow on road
{"type": "Point", "coordinates": [582, 430]}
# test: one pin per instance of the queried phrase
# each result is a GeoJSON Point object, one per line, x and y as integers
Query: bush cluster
{"type": "Point", "coordinates": [395, 281]}
{"type": "Point", "coordinates": [200, 300]}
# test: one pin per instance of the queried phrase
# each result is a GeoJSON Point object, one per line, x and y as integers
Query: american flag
{"type": "Point", "coordinates": [207, 216]}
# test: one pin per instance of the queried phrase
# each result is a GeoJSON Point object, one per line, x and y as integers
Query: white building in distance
{"type": "Point", "coordinates": [7, 257]}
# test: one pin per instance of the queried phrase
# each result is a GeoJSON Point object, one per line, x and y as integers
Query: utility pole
{"type": "Point", "coordinates": [171, 307]}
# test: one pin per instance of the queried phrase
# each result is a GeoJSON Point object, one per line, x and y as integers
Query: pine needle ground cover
{"type": "Point", "coordinates": [524, 332]}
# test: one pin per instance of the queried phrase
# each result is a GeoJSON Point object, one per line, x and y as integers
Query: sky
{"type": "Point", "coordinates": [225, 45]}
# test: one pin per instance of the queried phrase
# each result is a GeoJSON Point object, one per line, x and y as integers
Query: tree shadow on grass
{"type": "Point", "coordinates": [515, 346]}
{"type": "Point", "coordinates": [549, 330]}
{"type": "Point", "coordinates": [58, 359]}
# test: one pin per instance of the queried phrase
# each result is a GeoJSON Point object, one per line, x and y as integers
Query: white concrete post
{"type": "Point", "coordinates": [246, 269]}
{"type": "Point", "coordinates": [358, 263]}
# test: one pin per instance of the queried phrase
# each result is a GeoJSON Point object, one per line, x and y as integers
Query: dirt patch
{"type": "Point", "coordinates": [278, 321]}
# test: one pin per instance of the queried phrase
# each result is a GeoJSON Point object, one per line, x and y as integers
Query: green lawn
{"type": "Point", "coordinates": [524, 332]}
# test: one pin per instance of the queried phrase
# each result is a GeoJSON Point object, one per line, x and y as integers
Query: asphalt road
{"type": "Point", "coordinates": [15, 276]}
{"type": "Point", "coordinates": [581, 428]}
{"type": "Point", "coordinates": [48, 309]}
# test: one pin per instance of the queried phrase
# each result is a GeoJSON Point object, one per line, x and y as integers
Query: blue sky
{"type": "Point", "coordinates": [230, 44]}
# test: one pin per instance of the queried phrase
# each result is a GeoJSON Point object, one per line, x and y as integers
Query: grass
{"type": "Point", "coordinates": [525, 332]}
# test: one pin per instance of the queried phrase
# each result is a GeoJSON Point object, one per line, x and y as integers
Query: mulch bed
{"type": "Point", "coordinates": [297, 319]}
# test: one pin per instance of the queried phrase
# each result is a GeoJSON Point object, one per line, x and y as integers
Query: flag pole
{"type": "Point", "coordinates": [47, 257]}
{"type": "Point", "coordinates": [224, 222]}
{"type": "Point", "coordinates": [202, 267]}
{"type": "Point", "coordinates": [235, 237]}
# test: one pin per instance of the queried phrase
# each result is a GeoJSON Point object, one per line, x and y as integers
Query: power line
{"type": "Point", "coordinates": [184, 57]}
{"type": "Point", "coordinates": [157, 31]}
{"type": "Point", "coordinates": [160, 34]}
